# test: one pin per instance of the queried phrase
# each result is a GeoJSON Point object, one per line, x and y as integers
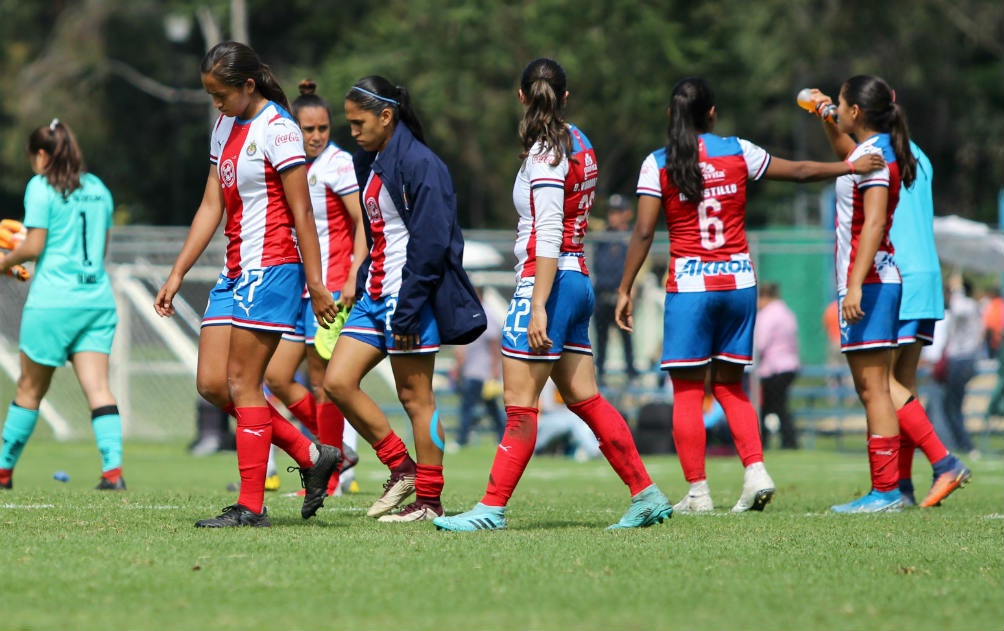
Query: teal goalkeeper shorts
{"type": "Point", "coordinates": [50, 336]}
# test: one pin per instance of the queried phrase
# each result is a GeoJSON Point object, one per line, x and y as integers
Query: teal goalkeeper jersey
{"type": "Point", "coordinates": [70, 272]}
{"type": "Point", "coordinates": [916, 255]}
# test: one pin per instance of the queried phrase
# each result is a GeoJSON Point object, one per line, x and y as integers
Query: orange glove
{"type": "Point", "coordinates": [12, 233]}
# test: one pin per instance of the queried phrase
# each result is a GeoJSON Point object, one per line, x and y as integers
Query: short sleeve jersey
{"type": "Point", "coordinates": [250, 156]}
{"type": "Point", "coordinates": [850, 215]}
{"type": "Point", "coordinates": [708, 250]}
{"type": "Point", "coordinates": [330, 177]}
{"type": "Point", "coordinates": [912, 235]}
{"type": "Point", "coordinates": [70, 272]}
{"type": "Point", "coordinates": [553, 203]}
{"type": "Point", "coordinates": [390, 238]}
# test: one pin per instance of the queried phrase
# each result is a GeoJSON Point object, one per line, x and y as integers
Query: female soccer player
{"type": "Point", "coordinates": [334, 196]}
{"type": "Point", "coordinates": [869, 286]}
{"type": "Point", "coordinates": [699, 181]}
{"type": "Point", "coordinates": [257, 178]}
{"type": "Point", "coordinates": [546, 332]}
{"type": "Point", "coordinates": [68, 213]}
{"type": "Point", "coordinates": [411, 221]}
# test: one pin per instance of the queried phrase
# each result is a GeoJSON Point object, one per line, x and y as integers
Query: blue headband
{"type": "Point", "coordinates": [375, 95]}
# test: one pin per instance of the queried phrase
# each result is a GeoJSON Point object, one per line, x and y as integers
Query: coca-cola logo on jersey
{"type": "Point", "coordinates": [710, 173]}
{"type": "Point", "coordinates": [283, 139]}
{"type": "Point", "coordinates": [228, 173]}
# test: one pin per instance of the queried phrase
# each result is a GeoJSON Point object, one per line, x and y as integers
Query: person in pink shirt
{"type": "Point", "coordinates": [775, 342]}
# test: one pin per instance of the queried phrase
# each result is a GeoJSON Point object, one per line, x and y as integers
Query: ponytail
{"type": "Point", "coordinates": [66, 161]}
{"type": "Point", "coordinates": [544, 84]}
{"type": "Point", "coordinates": [877, 102]}
{"type": "Point", "coordinates": [269, 87]}
{"type": "Point", "coordinates": [689, 115]}
{"type": "Point", "coordinates": [375, 94]}
{"type": "Point", "coordinates": [899, 134]}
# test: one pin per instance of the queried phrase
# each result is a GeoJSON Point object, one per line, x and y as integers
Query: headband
{"type": "Point", "coordinates": [375, 95]}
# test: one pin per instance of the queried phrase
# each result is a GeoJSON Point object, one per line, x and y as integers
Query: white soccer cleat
{"type": "Point", "coordinates": [694, 503]}
{"type": "Point", "coordinates": [396, 490]}
{"type": "Point", "coordinates": [758, 489]}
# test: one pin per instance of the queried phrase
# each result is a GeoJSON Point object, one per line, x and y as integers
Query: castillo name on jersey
{"type": "Point", "coordinates": [708, 250]}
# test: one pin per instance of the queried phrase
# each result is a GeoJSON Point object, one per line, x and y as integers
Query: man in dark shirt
{"type": "Point", "coordinates": [607, 267]}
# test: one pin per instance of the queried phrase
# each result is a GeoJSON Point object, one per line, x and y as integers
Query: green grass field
{"type": "Point", "coordinates": [75, 558]}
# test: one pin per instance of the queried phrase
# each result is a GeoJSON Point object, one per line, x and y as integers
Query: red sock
{"type": "Point", "coordinates": [392, 452]}
{"type": "Point", "coordinates": [230, 409]}
{"type": "Point", "coordinates": [883, 459]}
{"type": "Point", "coordinates": [254, 438]}
{"type": "Point", "coordinates": [743, 422]}
{"type": "Point", "coordinates": [112, 475]}
{"type": "Point", "coordinates": [289, 439]}
{"type": "Point", "coordinates": [689, 435]}
{"type": "Point", "coordinates": [906, 449]}
{"type": "Point", "coordinates": [330, 430]}
{"type": "Point", "coordinates": [512, 455]}
{"type": "Point", "coordinates": [305, 411]}
{"type": "Point", "coordinates": [429, 483]}
{"type": "Point", "coordinates": [914, 423]}
{"type": "Point", "coordinates": [616, 441]}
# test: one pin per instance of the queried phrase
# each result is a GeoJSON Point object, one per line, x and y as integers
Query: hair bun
{"type": "Point", "coordinates": [308, 86]}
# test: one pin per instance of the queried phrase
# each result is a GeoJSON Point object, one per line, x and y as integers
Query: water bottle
{"type": "Point", "coordinates": [825, 111]}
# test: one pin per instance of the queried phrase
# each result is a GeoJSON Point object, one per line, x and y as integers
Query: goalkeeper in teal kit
{"type": "Point", "coordinates": [70, 310]}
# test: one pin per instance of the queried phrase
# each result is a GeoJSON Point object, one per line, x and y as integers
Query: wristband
{"type": "Point", "coordinates": [850, 165]}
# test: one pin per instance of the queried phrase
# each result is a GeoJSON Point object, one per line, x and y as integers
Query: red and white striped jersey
{"type": "Point", "coordinates": [707, 240]}
{"type": "Point", "coordinates": [330, 177]}
{"type": "Point", "coordinates": [389, 250]}
{"type": "Point", "coordinates": [249, 156]}
{"type": "Point", "coordinates": [850, 215]}
{"type": "Point", "coordinates": [553, 204]}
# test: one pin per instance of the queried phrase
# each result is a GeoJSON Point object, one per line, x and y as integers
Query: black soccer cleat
{"type": "Point", "coordinates": [349, 458]}
{"type": "Point", "coordinates": [107, 485]}
{"type": "Point", "coordinates": [236, 515]}
{"type": "Point", "coordinates": [315, 479]}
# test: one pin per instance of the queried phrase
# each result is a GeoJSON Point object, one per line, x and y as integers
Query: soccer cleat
{"type": "Point", "coordinates": [397, 488]}
{"type": "Point", "coordinates": [350, 458]}
{"type": "Point", "coordinates": [107, 485]}
{"type": "Point", "coordinates": [273, 482]}
{"type": "Point", "coordinates": [694, 503]}
{"type": "Point", "coordinates": [416, 511]}
{"type": "Point", "coordinates": [758, 489]}
{"type": "Point", "coordinates": [480, 517]}
{"type": "Point", "coordinates": [956, 477]}
{"type": "Point", "coordinates": [873, 502]}
{"type": "Point", "coordinates": [315, 479]}
{"type": "Point", "coordinates": [236, 515]}
{"type": "Point", "coordinates": [908, 499]}
{"type": "Point", "coordinates": [648, 507]}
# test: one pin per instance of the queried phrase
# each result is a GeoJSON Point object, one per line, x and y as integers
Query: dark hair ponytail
{"type": "Point", "coordinates": [66, 161]}
{"type": "Point", "coordinates": [689, 108]}
{"type": "Point", "coordinates": [233, 63]}
{"type": "Point", "coordinates": [544, 84]}
{"type": "Point", "coordinates": [375, 94]}
{"type": "Point", "coordinates": [877, 102]}
{"type": "Point", "coordinates": [308, 98]}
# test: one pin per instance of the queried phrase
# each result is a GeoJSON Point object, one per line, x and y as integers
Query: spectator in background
{"type": "Point", "coordinates": [609, 254]}
{"type": "Point", "coordinates": [993, 320]}
{"type": "Point", "coordinates": [478, 375]}
{"type": "Point", "coordinates": [963, 347]}
{"type": "Point", "coordinates": [775, 340]}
